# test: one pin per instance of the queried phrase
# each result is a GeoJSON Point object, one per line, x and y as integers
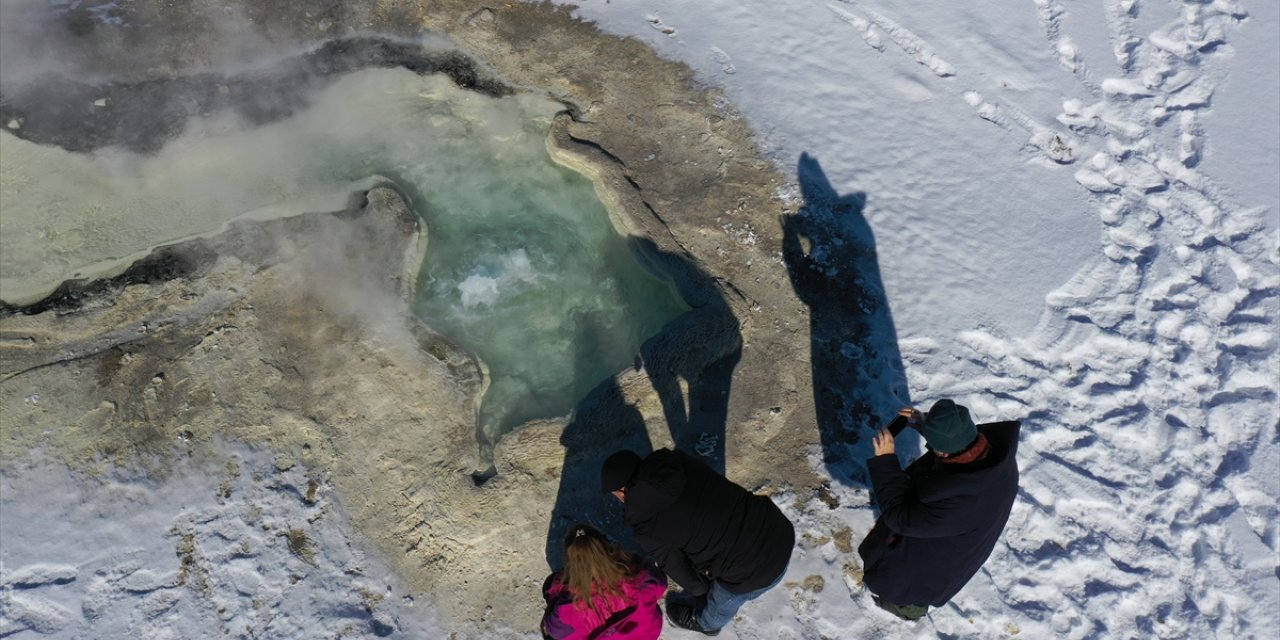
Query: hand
{"type": "Point", "coordinates": [914, 417]}
{"type": "Point", "coordinates": [883, 442]}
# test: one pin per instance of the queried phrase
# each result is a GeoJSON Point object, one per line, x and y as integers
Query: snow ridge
{"type": "Point", "coordinates": [913, 45]}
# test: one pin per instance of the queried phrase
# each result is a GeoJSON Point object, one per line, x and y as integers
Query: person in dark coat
{"type": "Point", "coordinates": [721, 543]}
{"type": "Point", "coordinates": [941, 517]}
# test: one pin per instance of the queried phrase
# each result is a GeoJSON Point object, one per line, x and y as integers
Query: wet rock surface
{"type": "Point", "coordinates": [237, 336]}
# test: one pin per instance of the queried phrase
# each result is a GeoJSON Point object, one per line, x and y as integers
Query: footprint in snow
{"type": "Point", "coordinates": [39, 575]}
{"type": "Point", "coordinates": [656, 23]}
{"type": "Point", "coordinates": [726, 63]}
{"type": "Point", "coordinates": [26, 613]}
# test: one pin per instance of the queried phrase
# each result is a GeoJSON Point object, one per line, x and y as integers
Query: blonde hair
{"type": "Point", "coordinates": [594, 568]}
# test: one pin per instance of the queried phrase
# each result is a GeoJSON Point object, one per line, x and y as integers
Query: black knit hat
{"type": "Point", "coordinates": [618, 470]}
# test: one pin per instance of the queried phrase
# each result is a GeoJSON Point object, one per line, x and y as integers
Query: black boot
{"type": "Point", "coordinates": [686, 617]}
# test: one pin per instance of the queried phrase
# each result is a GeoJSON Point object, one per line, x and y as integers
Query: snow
{"type": "Point", "coordinates": [1077, 208]}
{"type": "Point", "coordinates": [1087, 198]}
{"type": "Point", "coordinates": [245, 546]}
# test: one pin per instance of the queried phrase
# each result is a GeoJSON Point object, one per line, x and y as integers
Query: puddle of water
{"type": "Point", "coordinates": [523, 267]}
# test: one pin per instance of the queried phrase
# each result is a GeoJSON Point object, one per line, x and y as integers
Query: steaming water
{"type": "Point", "coordinates": [523, 267]}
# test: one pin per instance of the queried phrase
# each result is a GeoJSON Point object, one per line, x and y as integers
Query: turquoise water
{"type": "Point", "coordinates": [524, 270]}
{"type": "Point", "coordinates": [523, 267]}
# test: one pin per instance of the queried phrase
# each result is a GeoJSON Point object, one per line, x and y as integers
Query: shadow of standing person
{"type": "Point", "coordinates": [691, 362]}
{"type": "Point", "coordinates": [694, 354]}
{"type": "Point", "coordinates": [858, 378]}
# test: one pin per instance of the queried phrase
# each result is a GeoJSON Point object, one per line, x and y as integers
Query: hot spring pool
{"type": "Point", "coordinates": [523, 267]}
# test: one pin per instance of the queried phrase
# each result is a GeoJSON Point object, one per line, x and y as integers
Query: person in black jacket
{"type": "Point", "coordinates": [719, 542]}
{"type": "Point", "coordinates": [941, 517]}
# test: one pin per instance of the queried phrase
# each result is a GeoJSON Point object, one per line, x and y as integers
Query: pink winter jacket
{"type": "Point", "coordinates": [634, 616]}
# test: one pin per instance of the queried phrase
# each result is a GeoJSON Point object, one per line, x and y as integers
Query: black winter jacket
{"type": "Point", "coordinates": [699, 526]}
{"type": "Point", "coordinates": [938, 522]}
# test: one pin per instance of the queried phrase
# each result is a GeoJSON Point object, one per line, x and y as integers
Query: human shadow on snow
{"type": "Point", "coordinates": [689, 364]}
{"type": "Point", "coordinates": [858, 378]}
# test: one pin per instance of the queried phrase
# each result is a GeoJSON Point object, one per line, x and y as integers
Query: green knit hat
{"type": "Point", "coordinates": [948, 427]}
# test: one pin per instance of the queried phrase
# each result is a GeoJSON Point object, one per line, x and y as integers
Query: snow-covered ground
{"type": "Point", "coordinates": [249, 543]}
{"type": "Point", "coordinates": [1076, 207]}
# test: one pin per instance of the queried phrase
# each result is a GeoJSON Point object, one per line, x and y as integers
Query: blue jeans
{"type": "Point", "coordinates": [722, 605]}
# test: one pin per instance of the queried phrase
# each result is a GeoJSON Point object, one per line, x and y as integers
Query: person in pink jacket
{"type": "Point", "coordinates": [602, 592]}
